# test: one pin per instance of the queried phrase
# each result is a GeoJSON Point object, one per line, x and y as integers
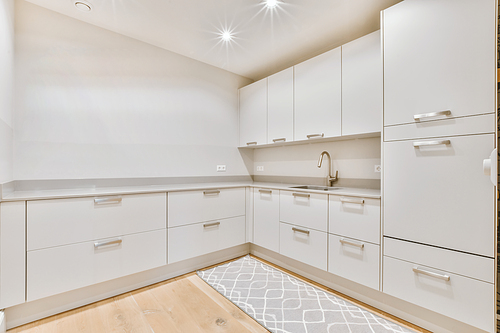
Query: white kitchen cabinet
{"type": "Point", "coordinates": [303, 244]}
{"type": "Point", "coordinates": [362, 85]}
{"type": "Point", "coordinates": [266, 218]}
{"type": "Point", "coordinates": [436, 193]}
{"type": "Point", "coordinates": [439, 55]}
{"type": "Point", "coordinates": [355, 260]}
{"type": "Point", "coordinates": [280, 106]}
{"type": "Point", "coordinates": [12, 253]}
{"type": "Point", "coordinates": [59, 269]}
{"type": "Point", "coordinates": [253, 114]}
{"type": "Point", "coordinates": [194, 240]}
{"type": "Point", "coordinates": [309, 210]}
{"type": "Point", "coordinates": [318, 96]}
{"type": "Point", "coordinates": [188, 207]}
{"type": "Point", "coordinates": [66, 221]}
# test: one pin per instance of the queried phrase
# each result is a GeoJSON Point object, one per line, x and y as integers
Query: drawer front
{"type": "Point", "coordinates": [358, 218]}
{"type": "Point", "coordinates": [464, 299]}
{"type": "Point", "coordinates": [266, 217]}
{"type": "Point", "coordinates": [188, 207]}
{"type": "Point", "coordinates": [60, 269]}
{"type": "Point", "coordinates": [305, 245]}
{"type": "Point", "coordinates": [66, 221]}
{"type": "Point", "coordinates": [309, 210]}
{"type": "Point", "coordinates": [354, 260]}
{"type": "Point", "coordinates": [201, 238]}
{"type": "Point", "coordinates": [438, 195]}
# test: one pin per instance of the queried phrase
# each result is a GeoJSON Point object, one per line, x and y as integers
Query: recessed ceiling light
{"type": "Point", "coordinates": [83, 6]}
{"type": "Point", "coordinates": [271, 3]}
{"type": "Point", "coordinates": [226, 36]}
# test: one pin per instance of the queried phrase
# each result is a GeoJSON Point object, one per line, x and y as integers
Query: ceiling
{"type": "Point", "coordinates": [264, 41]}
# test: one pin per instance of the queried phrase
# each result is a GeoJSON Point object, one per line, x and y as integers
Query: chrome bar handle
{"type": "Point", "coordinates": [107, 201]}
{"type": "Point", "coordinates": [279, 139]}
{"type": "Point", "coordinates": [319, 135]}
{"type": "Point", "coordinates": [117, 241]}
{"type": "Point", "coordinates": [417, 117]}
{"type": "Point", "coordinates": [301, 230]}
{"type": "Point", "coordinates": [208, 225]}
{"type": "Point", "coordinates": [353, 243]}
{"type": "Point", "coordinates": [417, 144]}
{"type": "Point", "coordinates": [211, 192]}
{"type": "Point", "coordinates": [304, 195]}
{"type": "Point", "coordinates": [265, 191]}
{"type": "Point", "coordinates": [354, 201]}
{"type": "Point", "coordinates": [419, 270]}
{"type": "Point", "coordinates": [251, 143]}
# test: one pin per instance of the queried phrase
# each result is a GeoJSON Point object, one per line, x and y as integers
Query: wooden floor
{"type": "Point", "coordinates": [183, 304]}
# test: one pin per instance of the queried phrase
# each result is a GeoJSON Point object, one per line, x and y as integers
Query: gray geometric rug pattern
{"type": "Point", "coordinates": [284, 304]}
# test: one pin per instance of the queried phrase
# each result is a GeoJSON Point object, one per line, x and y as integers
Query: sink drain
{"type": "Point", "coordinates": [220, 322]}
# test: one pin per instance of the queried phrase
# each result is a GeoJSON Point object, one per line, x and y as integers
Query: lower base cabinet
{"type": "Point", "coordinates": [59, 269]}
{"type": "Point", "coordinates": [197, 239]}
{"type": "Point", "coordinates": [354, 260]}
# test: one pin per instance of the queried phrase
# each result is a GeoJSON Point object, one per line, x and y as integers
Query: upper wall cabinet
{"type": "Point", "coordinates": [439, 56]}
{"type": "Point", "coordinates": [253, 114]}
{"type": "Point", "coordinates": [362, 89]}
{"type": "Point", "coordinates": [318, 96]}
{"type": "Point", "coordinates": [280, 103]}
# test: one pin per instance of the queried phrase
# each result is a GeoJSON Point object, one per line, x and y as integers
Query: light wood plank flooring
{"type": "Point", "coordinates": [183, 304]}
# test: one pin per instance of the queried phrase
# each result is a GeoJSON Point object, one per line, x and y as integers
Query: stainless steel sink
{"type": "Point", "coordinates": [316, 187]}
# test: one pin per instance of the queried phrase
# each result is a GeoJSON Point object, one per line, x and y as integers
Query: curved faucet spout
{"type": "Point", "coordinates": [330, 179]}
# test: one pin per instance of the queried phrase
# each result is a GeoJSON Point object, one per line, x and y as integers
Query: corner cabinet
{"type": "Point", "coordinates": [253, 114]}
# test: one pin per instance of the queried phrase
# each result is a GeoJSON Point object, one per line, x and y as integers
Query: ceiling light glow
{"type": "Point", "coordinates": [226, 36]}
{"type": "Point", "coordinates": [271, 3]}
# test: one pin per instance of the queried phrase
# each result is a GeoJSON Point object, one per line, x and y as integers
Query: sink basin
{"type": "Point", "coordinates": [316, 187]}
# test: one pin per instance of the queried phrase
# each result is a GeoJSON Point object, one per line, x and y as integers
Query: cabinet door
{"type": "Point", "coordinates": [438, 56]}
{"type": "Point", "coordinates": [438, 194]}
{"type": "Point", "coordinates": [253, 114]}
{"type": "Point", "coordinates": [309, 210]}
{"type": "Point", "coordinates": [362, 81]}
{"type": "Point", "coordinates": [318, 96]}
{"type": "Point", "coordinates": [280, 111]}
{"type": "Point", "coordinates": [266, 218]}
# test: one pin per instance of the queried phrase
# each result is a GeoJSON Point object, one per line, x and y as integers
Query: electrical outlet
{"type": "Point", "coordinates": [260, 168]}
{"type": "Point", "coordinates": [221, 168]}
{"type": "Point", "coordinates": [378, 168]}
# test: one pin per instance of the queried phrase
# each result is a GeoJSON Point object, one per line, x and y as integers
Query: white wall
{"type": "Point", "coordinates": [91, 103]}
{"type": "Point", "coordinates": [6, 82]}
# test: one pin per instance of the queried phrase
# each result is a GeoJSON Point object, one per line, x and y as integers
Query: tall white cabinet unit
{"type": "Point", "coordinates": [253, 113]}
{"type": "Point", "coordinates": [439, 125]}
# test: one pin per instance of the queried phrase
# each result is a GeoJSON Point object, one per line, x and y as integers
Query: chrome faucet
{"type": "Point", "coordinates": [329, 179]}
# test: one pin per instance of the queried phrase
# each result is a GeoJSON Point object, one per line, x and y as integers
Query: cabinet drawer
{"type": "Point", "coordinates": [190, 207]}
{"type": "Point", "coordinates": [308, 210]}
{"type": "Point", "coordinates": [354, 260]}
{"type": "Point", "coordinates": [267, 218]}
{"type": "Point", "coordinates": [464, 299]}
{"type": "Point", "coordinates": [201, 238]}
{"type": "Point", "coordinates": [306, 245]}
{"type": "Point", "coordinates": [358, 218]}
{"type": "Point", "coordinates": [60, 269]}
{"type": "Point", "coordinates": [66, 221]}
{"type": "Point", "coordinates": [438, 194]}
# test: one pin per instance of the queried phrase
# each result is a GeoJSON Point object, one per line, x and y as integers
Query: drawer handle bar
{"type": "Point", "coordinates": [211, 192]}
{"type": "Point", "coordinates": [251, 143]}
{"type": "Point", "coordinates": [304, 195]}
{"type": "Point", "coordinates": [117, 241]}
{"type": "Point", "coordinates": [419, 270]}
{"type": "Point", "coordinates": [318, 135]}
{"type": "Point", "coordinates": [417, 144]}
{"type": "Point", "coordinates": [208, 225]}
{"type": "Point", "coordinates": [417, 117]}
{"type": "Point", "coordinates": [107, 201]}
{"type": "Point", "coordinates": [301, 230]}
{"type": "Point", "coordinates": [265, 191]}
{"type": "Point", "coordinates": [279, 139]}
{"type": "Point", "coordinates": [355, 201]}
{"type": "Point", "coordinates": [353, 243]}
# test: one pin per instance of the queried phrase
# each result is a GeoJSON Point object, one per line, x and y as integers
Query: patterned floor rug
{"type": "Point", "coordinates": [284, 304]}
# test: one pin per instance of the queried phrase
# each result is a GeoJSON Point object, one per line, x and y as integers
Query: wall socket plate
{"type": "Point", "coordinates": [378, 168]}
{"type": "Point", "coordinates": [221, 168]}
{"type": "Point", "coordinates": [260, 168]}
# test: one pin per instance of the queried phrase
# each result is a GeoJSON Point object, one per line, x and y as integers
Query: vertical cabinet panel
{"type": "Point", "coordinates": [253, 114]}
{"type": "Point", "coordinates": [280, 106]}
{"type": "Point", "coordinates": [266, 218]}
{"type": "Point", "coordinates": [439, 55]}
{"type": "Point", "coordinates": [318, 96]}
{"type": "Point", "coordinates": [362, 81]}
